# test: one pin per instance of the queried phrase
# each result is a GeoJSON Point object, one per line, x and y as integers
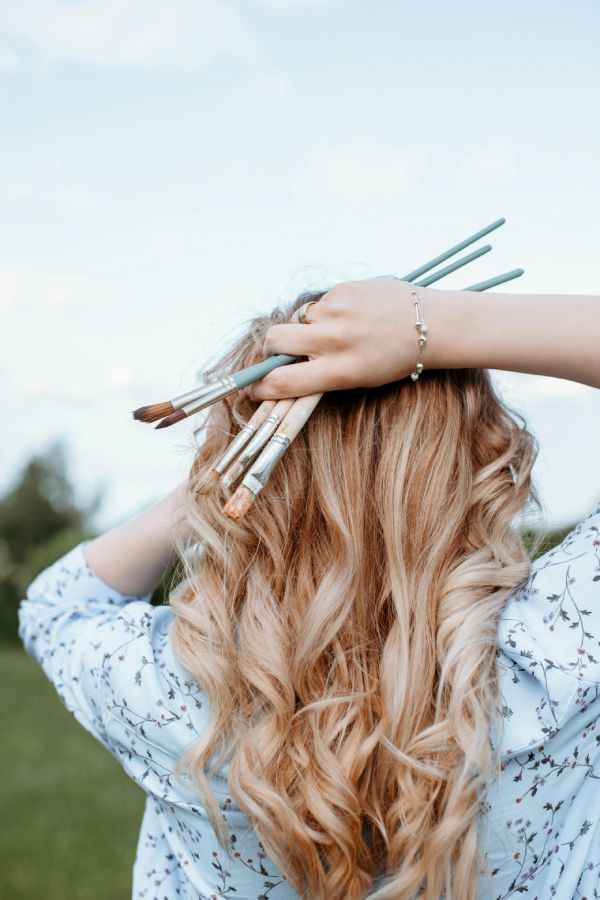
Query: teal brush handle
{"type": "Point", "coordinates": [448, 253]}
{"type": "Point", "coordinates": [494, 282]}
{"type": "Point", "coordinates": [252, 373]}
{"type": "Point", "coordinates": [441, 273]}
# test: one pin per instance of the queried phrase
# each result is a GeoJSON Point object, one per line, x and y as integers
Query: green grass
{"type": "Point", "coordinates": [70, 817]}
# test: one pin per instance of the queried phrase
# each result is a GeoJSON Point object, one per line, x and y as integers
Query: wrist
{"type": "Point", "coordinates": [448, 316]}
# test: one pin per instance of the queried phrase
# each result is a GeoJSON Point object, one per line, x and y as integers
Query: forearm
{"type": "Point", "coordinates": [362, 334]}
{"type": "Point", "coordinates": [134, 556]}
{"type": "Point", "coordinates": [540, 334]}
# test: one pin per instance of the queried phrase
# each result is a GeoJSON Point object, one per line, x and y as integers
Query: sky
{"type": "Point", "coordinates": [168, 170]}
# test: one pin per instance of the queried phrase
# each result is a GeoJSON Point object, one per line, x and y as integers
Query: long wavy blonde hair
{"type": "Point", "coordinates": [345, 630]}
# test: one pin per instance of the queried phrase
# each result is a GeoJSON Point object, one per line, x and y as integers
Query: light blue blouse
{"type": "Point", "coordinates": [110, 660]}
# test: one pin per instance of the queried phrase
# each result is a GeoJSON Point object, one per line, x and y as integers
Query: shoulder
{"type": "Point", "coordinates": [549, 633]}
{"type": "Point", "coordinates": [554, 616]}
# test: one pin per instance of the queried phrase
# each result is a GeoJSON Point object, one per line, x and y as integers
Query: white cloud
{"type": "Point", "coordinates": [37, 388]}
{"type": "Point", "coordinates": [119, 374]}
{"type": "Point", "coordinates": [77, 197]}
{"type": "Point", "coordinates": [138, 33]}
{"type": "Point", "coordinates": [488, 165]}
{"type": "Point", "coordinates": [8, 59]}
{"type": "Point", "coordinates": [272, 86]}
{"type": "Point", "coordinates": [361, 167]}
{"type": "Point", "coordinates": [9, 289]}
{"type": "Point", "coordinates": [286, 5]}
{"type": "Point", "coordinates": [63, 195]}
{"type": "Point", "coordinates": [167, 240]}
{"type": "Point", "coordinates": [103, 385]}
{"type": "Point", "coordinates": [17, 189]}
{"type": "Point", "coordinates": [27, 290]}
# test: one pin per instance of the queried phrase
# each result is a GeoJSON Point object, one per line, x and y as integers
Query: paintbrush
{"type": "Point", "coordinates": [254, 481]}
{"type": "Point", "coordinates": [249, 451]}
{"type": "Point", "coordinates": [247, 431]}
{"type": "Point", "coordinates": [241, 501]}
{"type": "Point", "coordinates": [237, 469]}
{"type": "Point", "coordinates": [214, 388]}
{"type": "Point", "coordinates": [217, 387]}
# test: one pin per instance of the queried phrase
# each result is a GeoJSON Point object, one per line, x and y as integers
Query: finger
{"type": "Point", "coordinates": [311, 315]}
{"type": "Point", "coordinates": [299, 340]}
{"type": "Point", "coordinates": [297, 380]}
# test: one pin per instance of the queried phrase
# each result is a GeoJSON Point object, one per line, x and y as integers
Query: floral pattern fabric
{"type": "Point", "coordinates": [109, 657]}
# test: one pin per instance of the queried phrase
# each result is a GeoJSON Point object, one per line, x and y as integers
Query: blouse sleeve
{"type": "Point", "coordinates": [110, 660]}
{"type": "Point", "coordinates": [549, 635]}
{"type": "Point", "coordinates": [81, 631]}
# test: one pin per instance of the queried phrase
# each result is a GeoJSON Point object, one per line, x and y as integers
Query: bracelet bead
{"type": "Point", "coordinates": [421, 328]}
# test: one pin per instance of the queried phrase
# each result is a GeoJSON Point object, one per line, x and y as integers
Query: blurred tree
{"type": "Point", "coordinates": [39, 522]}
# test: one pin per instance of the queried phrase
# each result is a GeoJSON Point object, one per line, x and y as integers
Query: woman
{"type": "Point", "coordinates": [394, 700]}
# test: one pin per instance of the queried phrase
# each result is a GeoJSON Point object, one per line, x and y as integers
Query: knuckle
{"type": "Point", "coordinates": [277, 382]}
{"type": "Point", "coordinates": [340, 299]}
{"type": "Point", "coordinates": [344, 377]}
{"type": "Point", "coordinates": [261, 392]}
{"type": "Point", "coordinates": [339, 337]}
{"type": "Point", "coordinates": [270, 339]}
{"type": "Point", "coordinates": [335, 302]}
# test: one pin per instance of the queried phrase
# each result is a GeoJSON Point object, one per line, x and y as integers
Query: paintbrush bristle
{"type": "Point", "coordinates": [170, 420]}
{"type": "Point", "coordinates": [238, 504]}
{"type": "Point", "coordinates": [207, 482]}
{"type": "Point", "coordinates": [153, 412]}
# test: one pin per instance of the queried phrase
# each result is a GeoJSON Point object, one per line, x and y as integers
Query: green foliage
{"type": "Point", "coordinates": [39, 522]}
{"type": "Point", "coordinates": [541, 541]}
{"type": "Point", "coordinates": [41, 504]}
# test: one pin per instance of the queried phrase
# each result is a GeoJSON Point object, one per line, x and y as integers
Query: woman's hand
{"type": "Point", "coordinates": [360, 334]}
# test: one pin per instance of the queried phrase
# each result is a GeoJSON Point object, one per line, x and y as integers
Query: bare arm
{"type": "Point", "coordinates": [362, 334]}
{"type": "Point", "coordinates": [133, 557]}
{"type": "Point", "coordinates": [541, 334]}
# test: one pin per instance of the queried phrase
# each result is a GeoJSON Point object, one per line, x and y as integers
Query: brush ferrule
{"type": "Point", "coordinates": [232, 474]}
{"type": "Point", "coordinates": [260, 472]}
{"type": "Point", "coordinates": [238, 443]}
{"type": "Point", "coordinates": [263, 434]}
{"type": "Point", "coordinates": [204, 395]}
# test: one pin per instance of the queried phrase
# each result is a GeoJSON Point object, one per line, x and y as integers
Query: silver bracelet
{"type": "Point", "coordinates": [421, 328]}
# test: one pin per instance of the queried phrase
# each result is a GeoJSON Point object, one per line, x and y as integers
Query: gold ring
{"type": "Point", "coordinates": [302, 312]}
